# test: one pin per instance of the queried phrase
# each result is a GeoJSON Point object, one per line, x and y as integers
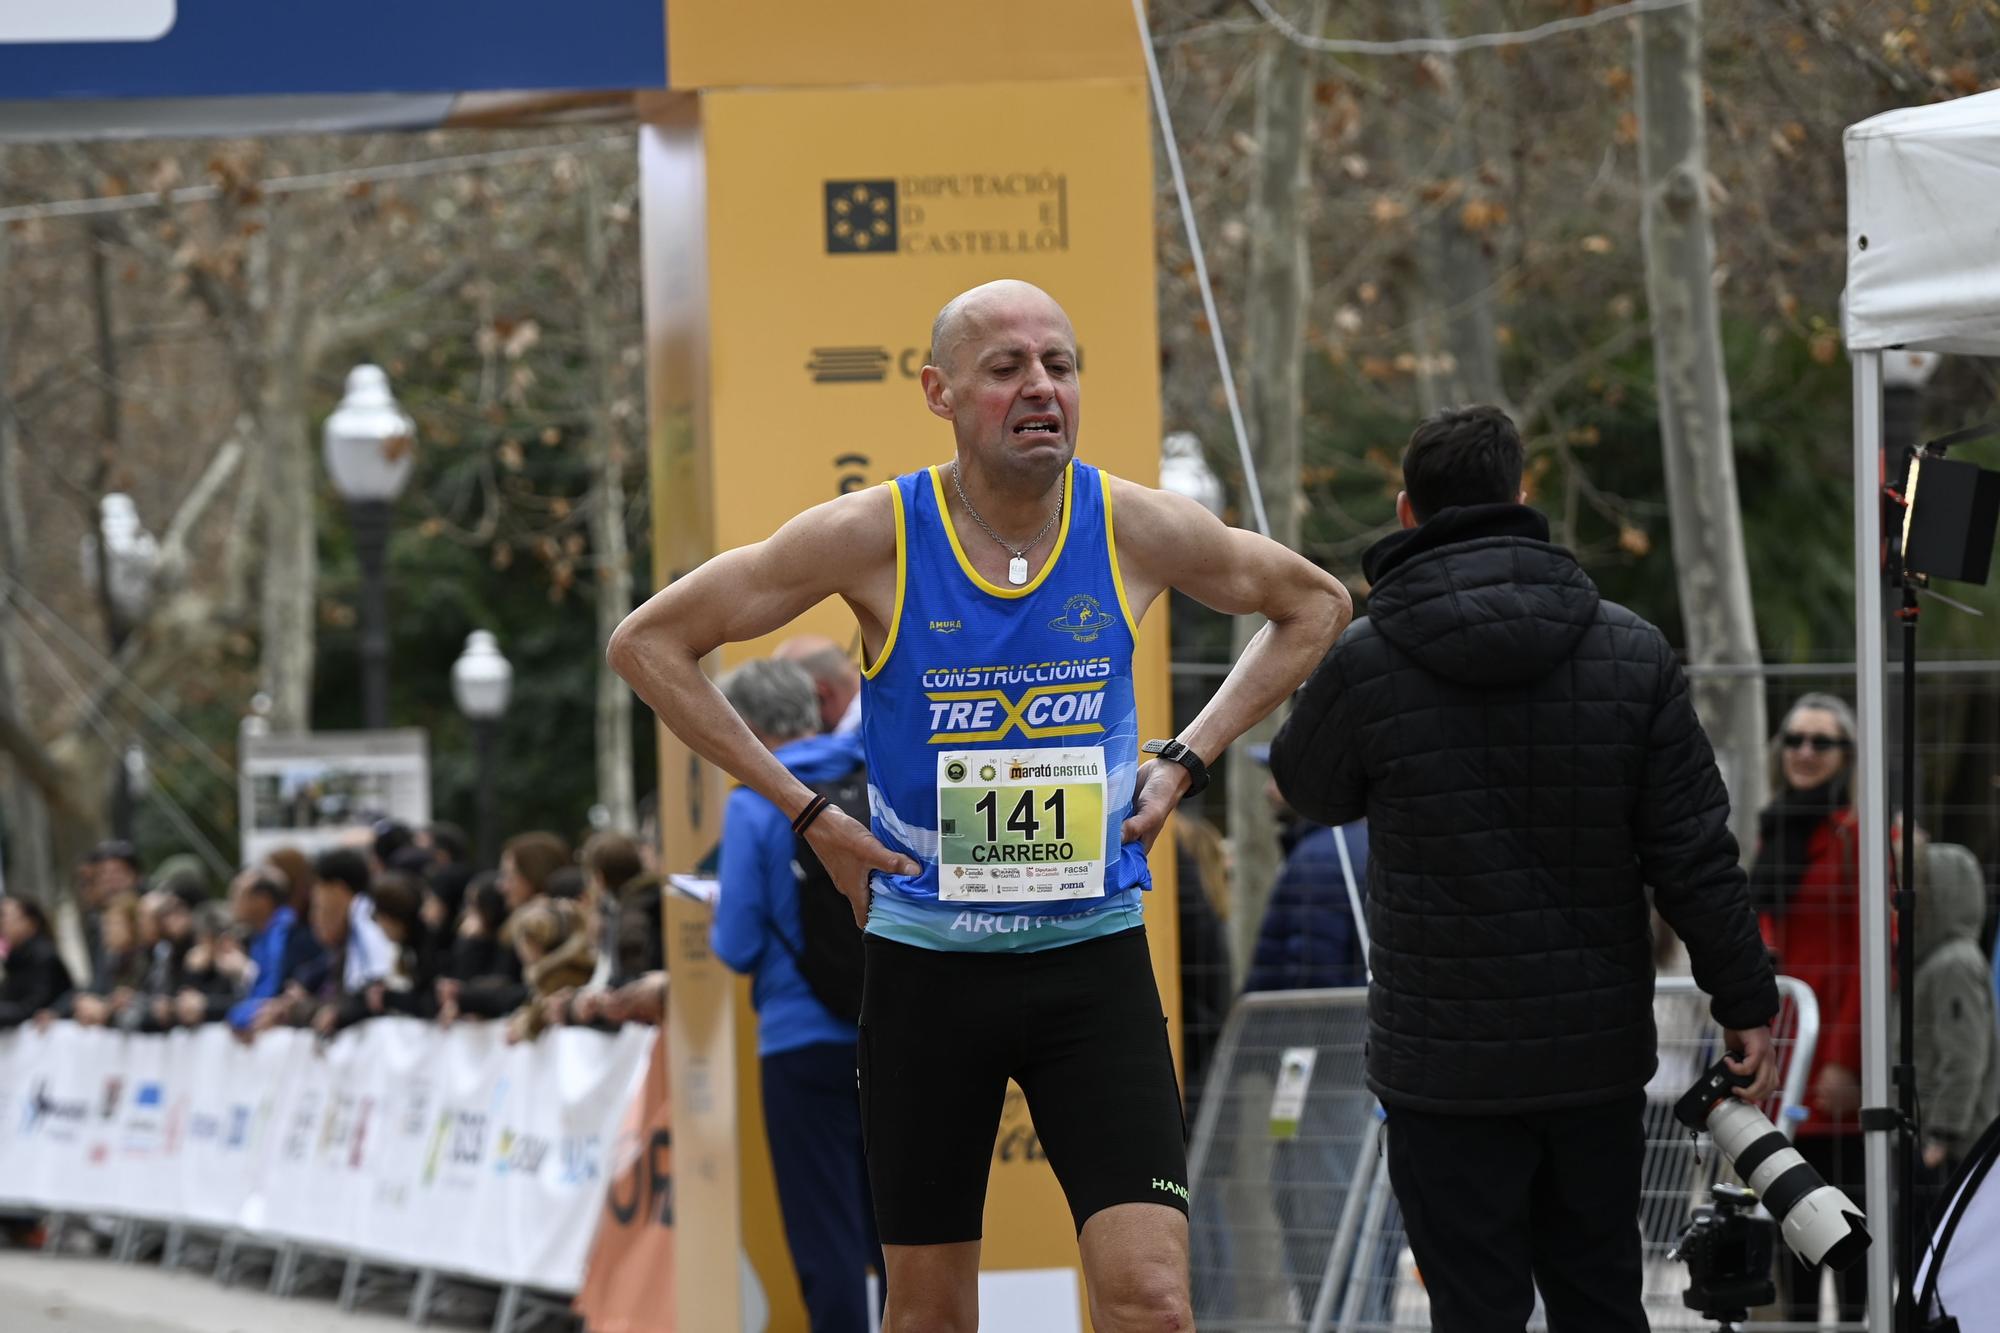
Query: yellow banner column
{"type": "Point", "coordinates": [800, 237]}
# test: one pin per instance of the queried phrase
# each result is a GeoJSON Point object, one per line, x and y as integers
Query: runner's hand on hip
{"type": "Point", "coordinates": [850, 854]}
{"type": "Point", "coordinates": [1159, 790]}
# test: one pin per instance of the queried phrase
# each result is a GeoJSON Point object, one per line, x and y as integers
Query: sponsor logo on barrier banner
{"type": "Point", "coordinates": [58, 1118]}
{"type": "Point", "coordinates": [457, 1146]}
{"type": "Point", "coordinates": [519, 1152]}
{"type": "Point", "coordinates": [582, 1159]}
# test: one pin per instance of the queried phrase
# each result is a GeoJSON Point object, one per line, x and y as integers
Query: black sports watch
{"type": "Point", "coordinates": [1176, 753]}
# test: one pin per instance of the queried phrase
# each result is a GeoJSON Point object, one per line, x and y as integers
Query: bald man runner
{"type": "Point", "coordinates": [999, 882]}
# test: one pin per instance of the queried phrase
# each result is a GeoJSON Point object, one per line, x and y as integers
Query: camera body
{"type": "Point", "coordinates": [1727, 1249]}
{"type": "Point", "coordinates": [1819, 1224]}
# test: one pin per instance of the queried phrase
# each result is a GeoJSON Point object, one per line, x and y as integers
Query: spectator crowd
{"type": "Point", "coordinates": [393, 922]}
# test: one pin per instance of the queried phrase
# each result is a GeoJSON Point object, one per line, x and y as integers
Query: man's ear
{"type": "Point", "coordinates": [937, 392]}
{"type": "Point", "coordinates": [1406, 513]}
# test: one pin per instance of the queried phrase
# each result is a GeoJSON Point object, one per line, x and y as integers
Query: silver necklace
{"type": "Point", "coordinates": [1017, 568]}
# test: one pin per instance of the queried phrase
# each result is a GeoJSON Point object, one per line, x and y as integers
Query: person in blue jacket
{"type": "Point", "coordinates": [280, 945]}
{"type": "Point", "coordinates": [1308, 938]}
{"type": "Point", "coordinates": [812, 1110]}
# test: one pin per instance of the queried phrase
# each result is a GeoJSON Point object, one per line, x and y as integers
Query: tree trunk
{"type": "Point", "coordinates": [1274, 343]}
{"type": "Point", "coordinates": [607, 518]}
{"type": "Point", "coordinates": [289, 573]}
{"type": "Point", "coordinates": [1458, 347]}
{"type": "Point", "coordinates": [1709, 563]}
{"type": "Point", "coordinates": [31, 870]}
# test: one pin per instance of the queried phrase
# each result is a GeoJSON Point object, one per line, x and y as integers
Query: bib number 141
{"type": "Point", "coordinates": [1021, 826]}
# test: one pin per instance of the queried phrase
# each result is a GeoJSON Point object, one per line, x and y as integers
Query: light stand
{"type": "Point", "coordinates": [482, 680]}
{"type": "Point", "coordinates": [1949, 514]}
{"type": "Point", "coordinates": [368, 447]}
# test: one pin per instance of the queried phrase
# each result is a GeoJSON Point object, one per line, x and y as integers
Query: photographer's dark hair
{"type": "Point", "coordinates": [1463, 456]}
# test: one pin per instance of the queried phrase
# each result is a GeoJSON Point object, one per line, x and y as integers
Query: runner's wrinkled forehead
{"type": "Point", "coordinates": [1008, 314]}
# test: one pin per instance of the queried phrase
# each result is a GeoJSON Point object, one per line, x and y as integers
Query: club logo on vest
{"type": "Point", "coordinates": [1082, 619]}
{"type": "Point", "coordinates": [947, 626]}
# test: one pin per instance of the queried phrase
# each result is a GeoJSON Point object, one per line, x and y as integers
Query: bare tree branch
{"type": "Point", "coordinates": [1823, 28]}
{"type": "Point", "coordinates": [1543, 393]}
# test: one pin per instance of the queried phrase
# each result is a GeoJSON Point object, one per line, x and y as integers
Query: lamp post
{"type": "Point", "coordinates": [369, 445]}
{"type": "Point", "coordinates": [481, 680]}
{"type": "Point", "coordinates": [120, 561]}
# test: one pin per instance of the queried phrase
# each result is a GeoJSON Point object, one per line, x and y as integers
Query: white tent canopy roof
{"type": "Point", "coordinates": [1923, 235]}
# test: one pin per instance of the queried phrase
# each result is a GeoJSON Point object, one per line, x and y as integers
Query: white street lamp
{"type": "Point", "coordinates": [370, 444]}
{"type": "Point", "coordinates": [370, 448]}
{"type": "Point", "coordinates": [120, 559]}
{"type": "Point", "coordinates": [481, 682]}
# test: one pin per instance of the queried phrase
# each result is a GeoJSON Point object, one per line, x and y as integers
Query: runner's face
{"type": "Point", "coordinates": [1013, 387]}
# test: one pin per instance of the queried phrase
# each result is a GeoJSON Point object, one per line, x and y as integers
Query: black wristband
{"type": "Point", "coordinates": [810, 813]}
{"type": "Point", "coordinates": [1176, 753]}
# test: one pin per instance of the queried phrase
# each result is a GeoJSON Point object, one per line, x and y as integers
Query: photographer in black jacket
{"type": "Point", "coordinates": [1529, 763]}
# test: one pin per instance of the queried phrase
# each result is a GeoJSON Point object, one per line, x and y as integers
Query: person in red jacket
{"type": "Point", "coordinates": [1806, 887]}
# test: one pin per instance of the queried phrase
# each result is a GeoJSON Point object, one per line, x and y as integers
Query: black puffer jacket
{"type": "Point", "coordinates": [1528, 760]}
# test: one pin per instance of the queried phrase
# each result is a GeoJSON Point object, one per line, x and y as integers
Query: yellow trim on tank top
{"type": "Point", "coordinates": [1111, 549]}
{"type": "Point", "coordinates": [1062, 535]}
{"type": "Point", "coordinates": [902, 571]}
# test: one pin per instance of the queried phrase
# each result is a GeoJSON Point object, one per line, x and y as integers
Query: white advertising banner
{"type": "Point", "coordinates": [398, 1141]}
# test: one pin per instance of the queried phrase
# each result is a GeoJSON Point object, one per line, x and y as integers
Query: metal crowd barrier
{"type": "Point", "coordinates": [1294, 1228]}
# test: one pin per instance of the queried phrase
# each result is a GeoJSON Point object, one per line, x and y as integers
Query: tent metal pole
{"type": "Point", "coordinates": [1871, 804]}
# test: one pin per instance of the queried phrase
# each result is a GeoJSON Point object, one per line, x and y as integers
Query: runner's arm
{"type": "Point", "coordinates": [744, 594]}
{"type": "Point", "coordinates": [1168, 541]}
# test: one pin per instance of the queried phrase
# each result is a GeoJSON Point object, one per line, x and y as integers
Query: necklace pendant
{"type": "Point", "coordinates": [1017, 570]}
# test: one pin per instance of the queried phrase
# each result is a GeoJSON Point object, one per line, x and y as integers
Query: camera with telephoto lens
{"type": "Point", "coordinates": [1817, 1222]}
{"type": "Point", "coordinates": [1727, 1249]}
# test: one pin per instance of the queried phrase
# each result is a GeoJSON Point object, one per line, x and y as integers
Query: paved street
{"type": "Point", "coordinates": [41, 1293]}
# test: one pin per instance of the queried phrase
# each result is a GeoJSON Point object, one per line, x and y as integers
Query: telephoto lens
{"type": "Point", "coordinates": [1816, 1221]}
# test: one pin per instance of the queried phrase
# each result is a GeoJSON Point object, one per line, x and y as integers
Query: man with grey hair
{"type": "Point", "coordinates": [812, 1118]}
{"type": "Point", "coordinates": [835, 677]}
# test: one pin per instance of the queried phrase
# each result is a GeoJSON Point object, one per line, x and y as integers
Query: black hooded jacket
{"type": "Point", "coordinates": [1529, 761]}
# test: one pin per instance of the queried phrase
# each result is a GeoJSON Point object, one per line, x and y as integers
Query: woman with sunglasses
{"type": "Point", "coordinates": [1806, 887]}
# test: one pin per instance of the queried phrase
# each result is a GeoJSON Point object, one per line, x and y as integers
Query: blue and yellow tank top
{"type": "Point", "coordinates": [1003, 737]}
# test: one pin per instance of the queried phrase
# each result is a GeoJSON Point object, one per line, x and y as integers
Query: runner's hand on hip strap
{"type": "Point", "coordinates": [850, 853]}
{"type": "Point", "coordinates": [1159, 790]}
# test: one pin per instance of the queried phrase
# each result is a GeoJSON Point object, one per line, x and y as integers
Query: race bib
{"type": "Point", "coordinates": [1020, 826]}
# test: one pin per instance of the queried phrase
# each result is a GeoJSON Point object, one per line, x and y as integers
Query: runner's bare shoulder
{"type": "Point", "coordinates": [845, 546]}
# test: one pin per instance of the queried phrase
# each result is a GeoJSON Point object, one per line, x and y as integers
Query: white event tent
{"type": "Point", "coordinates": [1923, 274]}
